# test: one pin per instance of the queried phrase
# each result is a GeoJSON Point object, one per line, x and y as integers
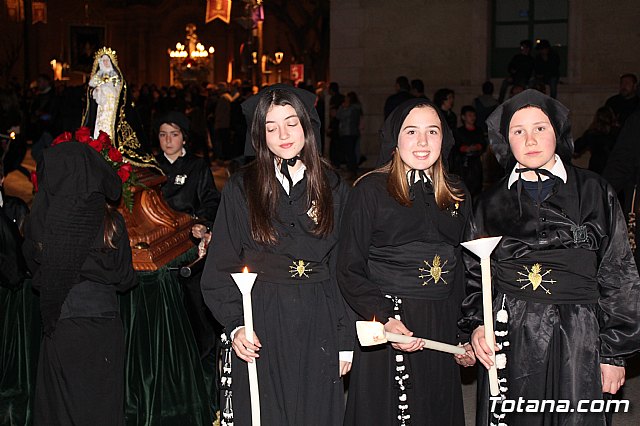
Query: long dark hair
{"type": "Point", "coordinates": [110, 226]}
{"type": "Point", "coordinates": [261, 185]}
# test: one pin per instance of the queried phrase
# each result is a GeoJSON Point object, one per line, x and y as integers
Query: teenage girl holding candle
{"type": "Point", "coordinates": [280, 217]}
{"type": "Point", "coordinates": [400, 263]}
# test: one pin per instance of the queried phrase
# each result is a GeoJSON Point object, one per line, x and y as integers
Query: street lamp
{"type": "Point", "coordinates": [276, 60]}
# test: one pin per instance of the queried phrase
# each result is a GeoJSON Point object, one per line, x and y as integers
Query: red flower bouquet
{"type": "Point", "coordinates": [102, 144]}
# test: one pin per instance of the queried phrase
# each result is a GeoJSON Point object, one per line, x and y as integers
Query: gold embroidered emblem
{"type": "Point", "coordinates": [300, 269]}
{"type": "Point", "coordinates": [433, 272]}
{"type": "Point", "coordinates": [313, 212]}
{"type": "Point", "coordinates": [534, 278]}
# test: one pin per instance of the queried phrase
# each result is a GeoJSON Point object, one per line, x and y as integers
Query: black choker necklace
{"type": "Point", "coordinates": [284, 169]}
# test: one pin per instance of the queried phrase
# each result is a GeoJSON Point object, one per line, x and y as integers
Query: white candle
{"type": "Point", "coordinates": [372, 333]}
{"type": "Point", "coordinates": [483, 247]}
{"type": "Point", "coordinates": [245, 281]}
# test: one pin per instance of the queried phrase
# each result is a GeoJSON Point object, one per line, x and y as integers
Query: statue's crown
{"type": "Point", "coordinates": [109, 52]}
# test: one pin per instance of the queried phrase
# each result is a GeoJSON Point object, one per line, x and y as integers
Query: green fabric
{"type": "Point", "coordinates": [19, 347]}
{"type": "Point", "coordinates": [165, 383]}
{"type": "Point", "coordinates": [164, 379]}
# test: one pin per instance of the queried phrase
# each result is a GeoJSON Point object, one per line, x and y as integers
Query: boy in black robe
{"type": "Point", "coordinates": [566, 289]}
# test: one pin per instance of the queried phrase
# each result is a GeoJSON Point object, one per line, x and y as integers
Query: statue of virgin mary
{"type": "Point", "coordinates": [106, 105]}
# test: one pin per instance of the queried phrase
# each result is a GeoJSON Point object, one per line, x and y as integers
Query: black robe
{"type": "Point", "coordinates": [302, 321]}
{"type": "Point", "coordinates": [190, 187]}
{"type": "Point", "coordinates": [81, 375]}
{"type": "Point", "coordinates": [582, 312]}
{"type": "Point", "coordinates": [388, 249]}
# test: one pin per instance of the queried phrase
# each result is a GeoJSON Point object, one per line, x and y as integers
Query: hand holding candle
{"type": "Point", "coordinates": [245, 282]}
{"type": "Point", "coordinates": [243, 347]}
{"type": "Point", "coordinates": [371, 333]}
{"type": "Point", "coordinates": [483, 247]}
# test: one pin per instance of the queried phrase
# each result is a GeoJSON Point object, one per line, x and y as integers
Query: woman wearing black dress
{"type": "Point", "coordinates": [280, 216]}
{"type": "Point", "coordinates": [400, 263]}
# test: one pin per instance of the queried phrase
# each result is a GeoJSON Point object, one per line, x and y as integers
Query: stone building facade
{"type": "Point", "coordinates": [448, 43]}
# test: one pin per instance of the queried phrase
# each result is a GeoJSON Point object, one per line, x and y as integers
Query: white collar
{"type": "Point", "coordinates": [557, 170]}
{"type": "Point", "coordinates": [416, 178]}
{"type": "Point", "coordinates": [1, 200]}
{"type": "Point", "coordinates": [182, 154]}
{"type": "Point", "coordinates": [295, 178]}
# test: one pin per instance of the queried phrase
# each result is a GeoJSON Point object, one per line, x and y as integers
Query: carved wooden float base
{"type": "Point", "coordinates": [157, 234]}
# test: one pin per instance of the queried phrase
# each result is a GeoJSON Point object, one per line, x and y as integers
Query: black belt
{"type": "Point", "coordinates": [562, 276]}
{"type": "Point", "coordinates": [276, 268]}
{"type": "Point", "coordinates": [418, 269]}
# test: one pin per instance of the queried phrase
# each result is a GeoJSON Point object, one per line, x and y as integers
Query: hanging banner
{"type": "Point", "coordinates": [296, 73]}
{"type": "Point", "coordinates": [220, 9]}
{"type": "Point", "coordinates": [38, 12]}
{"type": "Point", "coordinates": [15, 10]}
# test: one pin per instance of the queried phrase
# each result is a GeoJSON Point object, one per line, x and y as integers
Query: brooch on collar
{"type": "Point", "coordinates": [313, 212]}
{"type": "Point", "coordinates": [453, 210]}
{"type": "Point", "coordinates": [534, 278]}
{"type": "Point", "coordinates": [180, 179]}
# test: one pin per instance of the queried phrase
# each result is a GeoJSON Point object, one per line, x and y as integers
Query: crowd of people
{"type": "Point", "coordinates": [328, 252]}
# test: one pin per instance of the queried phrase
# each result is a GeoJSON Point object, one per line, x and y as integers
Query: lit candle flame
{"type": "Point", "coordinates": [245, 270]}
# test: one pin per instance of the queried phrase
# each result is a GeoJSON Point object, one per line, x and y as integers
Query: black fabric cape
{"type": "Point", "coordinates": [382, 248]}
{"type": "Point", "coordinates": [80, 377]}
{"type": "Point", "coordinates": [190, 187]}
{"type": "Point", "coordinates": [67, 213]}
{"type": "Point", "coordinates": [556, 349]}
{"type": "Point", "coordinates": [301, 327]}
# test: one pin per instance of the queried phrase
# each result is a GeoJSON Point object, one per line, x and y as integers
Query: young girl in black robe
{"type": "Point", "coordinates": [78, 249]}
{"type": "Point", "coordinates": [280, 216]}
{"type": "Point", "coordinates": [566, 289]}
{"type": "Point", "coordinates": [400, 263]}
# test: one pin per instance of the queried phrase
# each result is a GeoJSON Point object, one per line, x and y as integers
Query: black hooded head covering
{"type": "Point", "coordinates": [174, 117]}
{"type": "Point", "coordinates": [308, 100]}
{"type": "Point", "coordinates": [498, 125]}
{"type": "Point", "coordinates": [67, 214]}
{"type": "Point", "coordinates": [393, 124]}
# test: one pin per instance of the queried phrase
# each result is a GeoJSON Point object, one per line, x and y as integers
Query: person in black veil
{"type": "Point", "coordinates": [400, 263]}
{"type": "Point", "coordinates": [280, 216]}
{"type": "Point", "coordinates": [77, 247]}
{"type": "Point", "coordinates": [566, 289]}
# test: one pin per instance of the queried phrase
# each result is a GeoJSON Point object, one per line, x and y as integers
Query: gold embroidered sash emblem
{"type": "Point", "coordinates": [300, 269]}
{"type": "Point", "coordinates": [433, 272]}
{"type": "Point", "coordinates": [534, 278]}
